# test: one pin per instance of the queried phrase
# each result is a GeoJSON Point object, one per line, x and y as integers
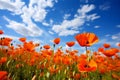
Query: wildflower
{"type": "Point", "coordinates": [106, 45]}
{"type": "Point", "coordinates": [1, 32]}
{"type": "Point", "coordinates": [110, 52]}
{"type": "Point", "coordinates": [3, 75]}
{"type": "Point", "coordinates": [46, 46]}
{"type": "Point", "coordinates": [56, 40]}
{"type": "Point", "coordinates": [84, 66]}
{"type": "Point", "coordinates": [5, 41]}
{"type": "Point", "coordinates": [29, 46]}
{"type": "Point", "coordinates": [86, 39]}
{"type": "Point", "coordinates": [70, 44]}
{"type": "Point", "coordinates": [100, 49]}
{"type": "Point", "coordinates": [23, 39]}
{"type": "Point", "coordinates": [3, 60]}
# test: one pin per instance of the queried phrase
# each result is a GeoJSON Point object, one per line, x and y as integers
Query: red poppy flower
{"type": "Point", "coordinates": [5, 41]}
{"type": "Point", "coordinates": [3, 75]}
{"type": "Point", "coordinates": [1, 32]}
{"type": "Point", "coordinates": [3, 59]}
{"type": "Point", "coordinates": [85, 66]}
{"type": "Point", "coordinates": [106, 45]}
{"type": "Point", "coordinates": [100, 49]}
{"type": "Point", "coordinates": [110, 52]}
{"type": "Point", "coordinates": [70, 44]}
{"type": "Point", "coordinates": [86, 39]}
{"type": "Point", "coordinates": [46, 46]}
{"type": "Point", "coordinates": [23, 39]}
{"type": "Point", "coordinates": [56, 40]}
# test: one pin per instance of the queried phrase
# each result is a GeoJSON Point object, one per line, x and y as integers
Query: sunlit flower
{"type": "Point", "coordinates": [46, 46]}
{"type": "Point", "coordinates": [100, 49]}
{"type": "Point", "coordinates": [29, 46]}
{"type": "Point", "coordinates": [56, 40]}
{"type": "Point", "coordinates": [110, 52]}
{"type": "Point", "coordinates": [3, 59]}
{"type": "Point", "coordinates": [86, 39]}
{"type": "Point", "coordinates": [3, 75]}
{"type": "Point", "coordinates": [1, 32]}
{"type": "Point", "coordinates": [23, 39]}
{"type": "Point", "coordinates": [70, 44]}
{"type": "Point", "coordinates": [106, 45]}
{"type": "Point", "coordinates": [5, 41]}
{"type": "Point", "coordinates": [85, 66]}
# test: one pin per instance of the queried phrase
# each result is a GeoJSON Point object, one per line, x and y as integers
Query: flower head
{"type": "Point", "coordinates": [1, 32]}
{"type": "Point", "coordinates": [56, 40]}
{"type": "Point", "coordinates": [46, 46]}
{"type": "Point", "coordinates": [86, 39]}
{"type": "Point", "coordinates": [70, 44]}
{"type": "Point", "coordinates": [23, 39]}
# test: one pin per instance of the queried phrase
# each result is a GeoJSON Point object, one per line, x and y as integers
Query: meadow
{"type": "Point", "coordinates": [23, 62]}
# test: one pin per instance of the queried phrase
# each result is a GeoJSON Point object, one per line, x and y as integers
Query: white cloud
{"type": "Point", "coordinates": [92, 17]}
{"type": "Point", "coordinates": [71, 27]}
{"type": "Point", "coordinates": [66, 16]}
{"type": "Point", "coordinates": [45, 24]}
{"type": "Point", "coordinates": [23, 29]}
{"type": "Point", "coordinates": [36, 10]}
{"type": "Point", "coordinates": [85, 9]}
{"type": "Point", "coordinates": [14, 7]}
{"type": "Point", "coordinates": [96, 26]}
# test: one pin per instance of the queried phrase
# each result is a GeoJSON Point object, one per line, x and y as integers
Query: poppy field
{"type": "Point", "coordinates": [23, 62]}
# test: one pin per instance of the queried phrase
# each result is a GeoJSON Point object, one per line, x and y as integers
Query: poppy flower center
{"type": "Point", "coordinates": [87, 42]}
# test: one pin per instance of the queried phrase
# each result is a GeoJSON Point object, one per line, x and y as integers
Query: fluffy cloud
{"type": "Point", "coordinates": [23, 29]}
{"type": "Point", "coordinates": [35, 10]}
{"type": "Point", "coordinates": [13, 6]}
{"type": "Point", "coordinates": [71, 27]}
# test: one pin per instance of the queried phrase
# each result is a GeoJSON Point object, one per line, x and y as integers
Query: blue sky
{"type": "Point", "coordinates": [43, 20]}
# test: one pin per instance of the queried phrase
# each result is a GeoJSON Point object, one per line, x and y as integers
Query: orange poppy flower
{"type": "Point", "coordinates": [46, 46]}
{"type": "Point", "coordinates": [3, 59]}
{"type": "Point", "coordinates": [70, 44]}
{"type": "Point", "coordinates": [1, 32]}
{"type": "Point", "coordinates": [5, 41]}
{"type": "Point", "coordinates": [3, 75]}
{"type": "Point", "coordinates": [84, 66]}
{"type": "Point", "coordinates": [56, 40]}
{"type": "Point", "coordinates": [29, 46]}
{"type": "Point", "coordinates": [106, 45]}
{"type": "Point", "coordinates": [86, 39]}
{"type": "Point", "coordinates": [100, 49]}
{"type": "Point", "coordinates": [110, 52]}
{"type": "Point", "coordinates": [23, 39]}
